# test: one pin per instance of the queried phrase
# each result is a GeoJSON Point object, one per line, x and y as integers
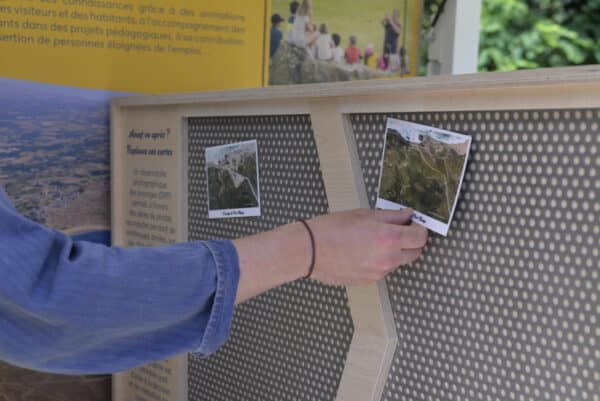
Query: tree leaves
{"type": "Point", "coordinates": [518, 34]}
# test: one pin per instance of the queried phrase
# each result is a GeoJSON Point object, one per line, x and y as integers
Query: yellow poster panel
{"type": "Point", "coordinates": [136, 45]}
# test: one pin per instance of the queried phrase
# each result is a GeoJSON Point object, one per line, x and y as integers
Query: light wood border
{"type": "Point", "coordinates": [398, 88]}
{"type": "Point", "coordinates": [118, 125]}
{"type": "Point", "coordinates": [374, 340]}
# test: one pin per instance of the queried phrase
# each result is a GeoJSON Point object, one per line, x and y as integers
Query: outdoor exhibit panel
{"type": "Point", "coordinates": [503, 307]}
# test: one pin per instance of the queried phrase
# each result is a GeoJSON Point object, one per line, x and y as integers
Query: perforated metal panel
{"type": "Point", "coordinates": [505, 307]}
{"type": "Point", "coordinates": [291, 343]}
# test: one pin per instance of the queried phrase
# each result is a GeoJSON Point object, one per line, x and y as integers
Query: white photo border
{"type": "Point", "coordinates": [435, 225]}
{"type": "Point", "coordinates": [233, 213]}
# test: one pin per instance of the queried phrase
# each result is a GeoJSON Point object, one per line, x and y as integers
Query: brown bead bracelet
{"type": "Point", "coordinates": [312, 243]}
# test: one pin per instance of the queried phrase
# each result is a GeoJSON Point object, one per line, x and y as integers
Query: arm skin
{"type": "Point", "coordinates": [82, 308]}
{"type": "Point", "coordinates": [385, 19]}
{"type": "Point", "coordinates": [355, 247]}
{"type": "Point", "coordinates": [395, 26]}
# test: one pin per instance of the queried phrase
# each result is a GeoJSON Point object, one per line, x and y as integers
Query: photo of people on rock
{"type": "Point", "coordinates": [314, 41]}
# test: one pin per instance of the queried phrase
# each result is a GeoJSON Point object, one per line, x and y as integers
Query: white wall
{"type": "Point", "coordinates": [454, 46]}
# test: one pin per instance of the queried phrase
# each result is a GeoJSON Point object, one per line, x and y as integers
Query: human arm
{"type": "Point", "coordinates": [309, 25]}
{"type": "Point", "coordinates": [312, 38]}
{"type": "Point", "coordinates": [395, 26]}
{"type": "Point", "coordinates": [81, 308]}
{"type": "Point", "coordinates": [76, 307]}
{"type": "Point", "coordinates": [354, 247]}
{"type": "Point", "coordinates": [385, 19]}
{"type": "Point", "coordinates": [309, 11]}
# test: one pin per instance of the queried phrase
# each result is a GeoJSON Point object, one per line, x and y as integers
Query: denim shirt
{"type": "Point", "coordinates": [82, 308]}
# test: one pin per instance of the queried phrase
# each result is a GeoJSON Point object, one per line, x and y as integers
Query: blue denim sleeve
{"type": "Point", "coordinates": [82, 308]}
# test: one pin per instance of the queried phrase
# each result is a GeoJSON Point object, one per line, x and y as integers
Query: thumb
{"type": "Point", "coordinates": [400, 217]}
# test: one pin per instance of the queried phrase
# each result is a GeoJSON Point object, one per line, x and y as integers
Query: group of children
{"type": "Point", "coordinates": [321, 45]}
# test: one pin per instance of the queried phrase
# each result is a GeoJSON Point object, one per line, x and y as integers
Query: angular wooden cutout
{"type": "Point", "coordinates": [374, 340]}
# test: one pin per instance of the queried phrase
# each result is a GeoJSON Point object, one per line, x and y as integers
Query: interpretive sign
{"type": "Point", "coordinates": [537, 141]}
{"type": "Point", "coordinates": [147, 164]}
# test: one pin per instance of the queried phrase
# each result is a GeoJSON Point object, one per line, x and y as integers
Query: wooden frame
{"type": "Point", "coordinates": [374, 340]}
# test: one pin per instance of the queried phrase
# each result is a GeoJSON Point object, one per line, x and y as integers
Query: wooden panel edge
{"type": "Point", "coordinates": [544, 77]}
{"type": "Point", "coordinates": [118, 386]}
{"type": "Point", "coordinates": [116, 164]}
{"type": "Point", "coordinates": [552, 96]}
{"type": "Point", "coordinates": [119, 116]}
{"type": "Point", "coordinates": [183, 234]}
{"type": "Point", "coordinates": [184, 379]}
{"type": "Point", "coordinates": [373, 343]}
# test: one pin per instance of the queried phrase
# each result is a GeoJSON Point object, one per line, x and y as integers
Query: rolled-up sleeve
{"type": "Point", "coordinates": [82, 308]}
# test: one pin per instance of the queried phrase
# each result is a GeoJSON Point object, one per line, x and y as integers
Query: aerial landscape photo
{"type": "Point", "coordinates": [233, 176]}
{"type": "Point", "coordinates": [54, 154]}
{"type": "Point", "coordinates": [422, 169]}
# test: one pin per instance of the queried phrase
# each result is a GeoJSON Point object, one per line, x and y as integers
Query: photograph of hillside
{"type": "Point", "coordinates": [422, 169]}
{"type": "Point", "coordinates": [232, 172]}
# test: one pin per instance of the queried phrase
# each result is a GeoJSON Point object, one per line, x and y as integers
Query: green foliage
{"type": "Point", "coordinates": [430, 9]}
{"type": "Point", "coordinates": [518, 34]}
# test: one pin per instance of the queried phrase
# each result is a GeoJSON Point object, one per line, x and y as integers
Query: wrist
{"type": "Point", "coordinates": [313, 250]}
{"type": "Point", "coordinates": [296, 250]}
{"type": "Point", "coordinates": [273, 258]}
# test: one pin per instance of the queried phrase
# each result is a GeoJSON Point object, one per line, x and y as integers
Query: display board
{"type": "Point", "coordinates": [502, 308]}
{"type": "Point", "coordinates": [510, 290]}
{"type": "Point", "coordinates": [292, 188]}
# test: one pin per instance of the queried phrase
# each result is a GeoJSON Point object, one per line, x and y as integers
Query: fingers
{"type": "Point", "coordinates": [361, 246]}
{"type": "Point", "coordinates": [406, 256]}
{"type": "Point", "coordinates": [396, 259]}
{"type": "Point", "coordinates": [413, 236]}
{"type": "Point", "coordinates": [393, 216]}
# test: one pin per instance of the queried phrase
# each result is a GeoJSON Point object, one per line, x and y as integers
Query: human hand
{"type": "Point", "coordinates": [362, 246]}
{"type": "Point", "coordinates": [354, 247]}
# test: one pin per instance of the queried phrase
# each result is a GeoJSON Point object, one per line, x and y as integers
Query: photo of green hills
{"type": "Point", "coordinates": [422, 169]}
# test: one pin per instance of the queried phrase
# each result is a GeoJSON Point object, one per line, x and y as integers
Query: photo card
{"type": "Point", "coordinates": [422, 168]}
{"type": "Point", "coordinates": [232, 180]}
